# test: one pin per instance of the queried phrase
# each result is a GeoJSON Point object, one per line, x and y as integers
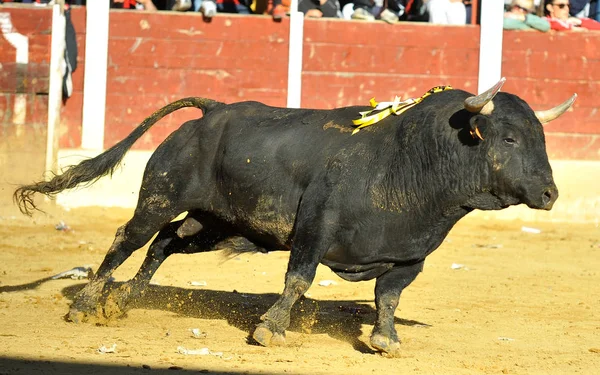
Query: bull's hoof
{"type": "Point", "coordinates": [385, 345]}
{"type": "Point", "coordinates": [79, 315]}
{"type": "Point", "coordinates": [76, 316]}
{"type": "Point", "coordinates": [113, 309]}
{"type": "Point", "coordinates": [116, 302]}
{"type": "Point", "coordinates": [264, 336]}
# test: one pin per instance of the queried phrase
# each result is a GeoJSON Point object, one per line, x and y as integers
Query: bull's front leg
{"type": "Point", "coordinates": [271, 332]}
{"type": "Point", "coordinates": [388, 288]}
{"type": "Point", "coordinates": [315, 225]}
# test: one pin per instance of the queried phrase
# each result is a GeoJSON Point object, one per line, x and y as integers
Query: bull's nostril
{"type": "Point", "coordinates": [547, 198]}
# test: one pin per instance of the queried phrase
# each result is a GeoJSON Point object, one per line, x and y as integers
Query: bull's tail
{"type": "Point", "coordinates": [90, 170]}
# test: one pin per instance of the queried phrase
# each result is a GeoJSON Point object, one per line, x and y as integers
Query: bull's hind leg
{"type": "Point", "coordinates": [186, 236]}
{"type": "Point", "coordinates": [388, 288]}
{"type": "Point", "coordinates": [146, 221]}
{"type": "Point", "coordinates": [117, 300]}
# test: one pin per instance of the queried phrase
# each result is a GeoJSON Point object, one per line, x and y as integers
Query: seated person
{"type": "Point", "coordinates": [210, 7]}
{"type": "Point", "coordinates": [133, 4]}
{"type": "Point", "coordinates": [311, 8]}
{"type": "Point", "coordinates": [363, 10]}
{"type": "Point", "coordinates": [319, 8]}
{"type": "Point", "coordinates": [181, 5]}
{"type": "Point", "coordinates": [520, 17]}
{"type": "Point", "coordinates": [447, 12]}
{"type": "Point", "coordinates": [369, 10]}
{"type": "Point", "coordinates": [392, 11]}
{"type": "Point", "coordinates": [278, 8]}
{"type": "Point", "coordinates": [557, 13]}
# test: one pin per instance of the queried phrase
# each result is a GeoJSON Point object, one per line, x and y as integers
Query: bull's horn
{"type": "Point", "coordinates": [551, 114]}
{"type": "Point", "coordinates": [476, 103]}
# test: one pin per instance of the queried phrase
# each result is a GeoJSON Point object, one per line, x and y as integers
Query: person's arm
{"type": "Point", "coordinates": [559, 26]}
{"type": "Point", "coordinates": [537, 23]}
{"type": "Point", "coordinates": [511, 23]}
{"type": "Point", "coordinates": [590, 24]}
{"type": "Point", "coordinates": [148, 5]}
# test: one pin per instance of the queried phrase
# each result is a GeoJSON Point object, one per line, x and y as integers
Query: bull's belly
{"type": "Point", "coordinates": [358, 261]}
{"type": "Point", "coordinates": [272, 234]}
{"type": "Point", "coordinates": [265, 217]}
{"type": "Point", "coordinates": [360, 272]}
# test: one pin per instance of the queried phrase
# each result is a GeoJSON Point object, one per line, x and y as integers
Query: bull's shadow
{"type": "Point", "coordinates": [340, 319]}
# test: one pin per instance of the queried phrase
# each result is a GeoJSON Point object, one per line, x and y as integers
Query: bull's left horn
{"type": "Point", "coordinates": [476, 103]}
{"type": "Point", "coordinates": [551, 114]}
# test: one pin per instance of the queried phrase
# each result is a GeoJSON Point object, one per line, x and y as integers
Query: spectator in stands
{"type": "Point", "coordinates": [311, 8]}
{"type": "Point", "coordinates": [369, 10]}
{"type": "Point", "coordinates": [181, 5]}
{"type": "Point", "coordinates": [392, 11]}
{"type": "Point", "coordinates": [133, 4]}
{"type": "Point", "coordinates": [415, 11]}
{"type": "Point", "coordinates": [595, 10]}
{"type": "Point", "coordinates": [585, 8]}
{"type": "Point", "coordinates": [447, 12]}
{"type": "Point", "coordinates": [210, 7]}
{"type": "Point", "coordinates": [278, 8]}
{"type": "Point", "coordinates": [363, 10]}
{"type": "Point", "coordinates": [468, 10]}
{"type": "Point", "coordinates": [520, 17]}
{"type": "Point", "coordinates": [557, 13]}
{"type": "Point", "coordinates": [319, 8]}
{"type": "Point", "coordinates": [579, 8]}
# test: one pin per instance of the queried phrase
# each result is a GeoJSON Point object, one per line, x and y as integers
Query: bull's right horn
{"type": "Point", "coordinates": [551, 114]}
{"type": "Point", "coordinates": [475, 104]}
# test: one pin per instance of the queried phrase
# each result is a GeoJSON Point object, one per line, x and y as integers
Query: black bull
{"type": "Point", "coordinates": [370, 205]}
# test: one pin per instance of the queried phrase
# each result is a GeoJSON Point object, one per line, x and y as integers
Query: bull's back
{"type": "Point", "coordinates": [267, 157]}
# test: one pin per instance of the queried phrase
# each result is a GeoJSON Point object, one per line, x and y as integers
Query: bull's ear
{"type": "Point", "coordinates": [478, 126]}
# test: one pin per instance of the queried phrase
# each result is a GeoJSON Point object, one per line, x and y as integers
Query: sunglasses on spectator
{"type": "Point", "coordinates": [562, 6]}
{"type": "Point", "coordinates": [523, 9]}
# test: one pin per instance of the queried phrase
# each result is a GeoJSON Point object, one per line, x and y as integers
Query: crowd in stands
{"type": "Point", "coordinates": [390, 11]}
{"type": "Point", "coordinates": [558, 15]}
{"type": "Point", "coordinates": [542, 15]}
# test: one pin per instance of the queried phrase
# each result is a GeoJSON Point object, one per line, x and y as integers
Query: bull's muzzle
{"type": "Point", "coordinates": [549, 196]}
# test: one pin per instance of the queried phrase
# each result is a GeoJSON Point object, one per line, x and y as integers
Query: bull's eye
{"type": "Point", "coordinates": [510, 141]}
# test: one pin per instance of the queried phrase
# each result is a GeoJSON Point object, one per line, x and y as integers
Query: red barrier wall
{"type": "Point", "coordinates": [23, 123]}
{"type": "Point", "coordinates": [155, 58]}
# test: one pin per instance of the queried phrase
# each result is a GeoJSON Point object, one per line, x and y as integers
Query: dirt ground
{"type": "Point", "coordinates": [522, 303]}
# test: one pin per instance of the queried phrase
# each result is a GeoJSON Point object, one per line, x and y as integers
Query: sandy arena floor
{"type": "Point", "coordinates": [522, 303]}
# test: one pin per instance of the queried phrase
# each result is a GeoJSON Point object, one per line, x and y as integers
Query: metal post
{"type": "Point", "coordinates": [55, 89]}
{"type": "Point", "coordinates": [294, 91]}
{"type": "Point", "coordinates": [94, 81]}
{"type": "Point", "coordinates": [490, 43]}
